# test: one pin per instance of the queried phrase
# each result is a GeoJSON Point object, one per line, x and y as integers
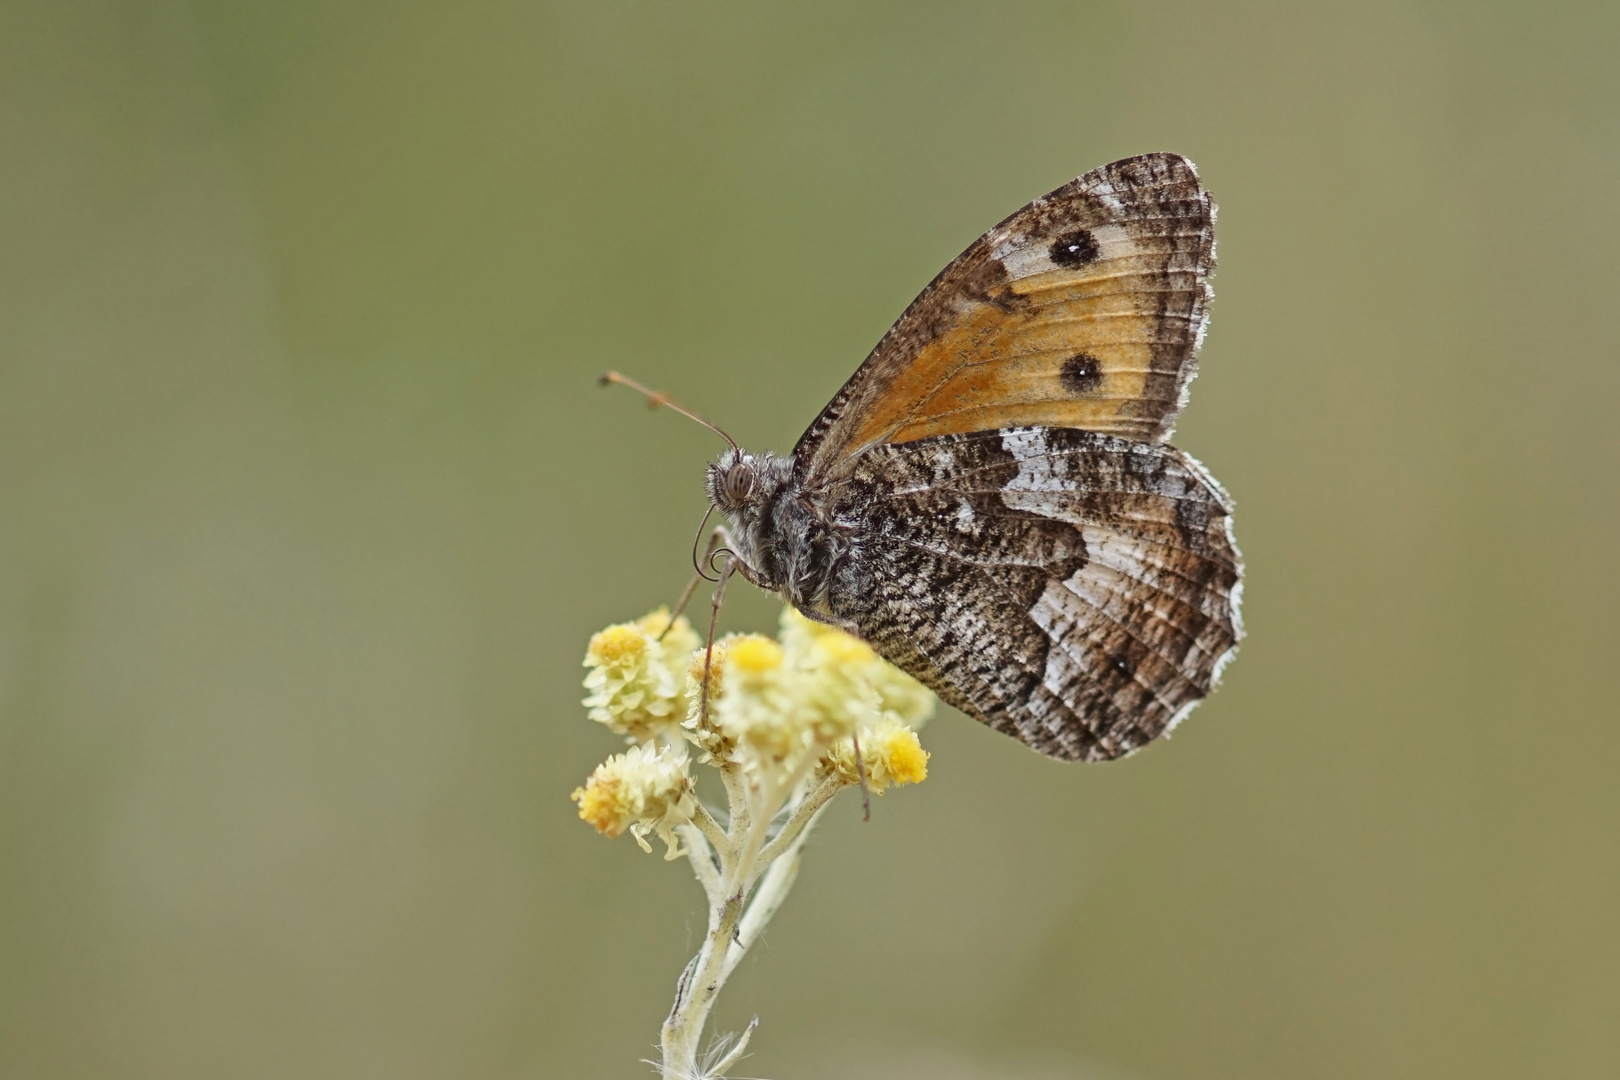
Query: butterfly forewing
{"type": "Point", "coordinates": [1084, 309]}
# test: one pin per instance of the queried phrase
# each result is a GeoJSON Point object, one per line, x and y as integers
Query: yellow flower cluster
{"type": "Point", "coordinates": [798, 702]}
{"type": "Point", "coordinates": [783, 712]}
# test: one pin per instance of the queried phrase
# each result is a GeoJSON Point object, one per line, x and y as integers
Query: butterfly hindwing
{"type": "Point", "coordinates": [1073, 589]}
{"type": "Point", "coordinates": [1083, 310]}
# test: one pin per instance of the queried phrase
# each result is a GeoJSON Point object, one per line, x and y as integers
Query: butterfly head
{"type": "Point", "coordinates": [749, 489]}
{"type": "Point", "coordinates": [741, 484]}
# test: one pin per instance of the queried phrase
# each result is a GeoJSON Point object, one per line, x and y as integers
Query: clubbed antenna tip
{"type": "Point", "coordinates": [655, 399]}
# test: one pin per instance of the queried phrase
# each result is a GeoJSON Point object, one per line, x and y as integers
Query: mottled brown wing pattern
{"type": "Point", "coordinates": [1078, 591]}
{"type": "Point", "coordinates": [1084, 310]}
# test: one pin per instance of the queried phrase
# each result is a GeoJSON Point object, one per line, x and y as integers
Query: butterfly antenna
{"type": "Point", "coordinates": [655, 399]}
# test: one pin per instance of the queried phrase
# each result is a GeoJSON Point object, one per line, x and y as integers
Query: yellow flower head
{"type": "Point", "coordinates": [890, 752]}
{"type": "Point", "coordinates": [677, 640]}
{"type": "Point", "coordinates": [637, 681]}
{"type": "Point", "coordinates": [900, 694]}
{"type": "Point", "coordinates": [643, 789]}
{"type": "Point", "coordinates": [758, 708]}
{"type": "Point", "coordinates": [753, 655]}
{"type": "Point", "coordinates": [617, 645]}
{"type": "Point", "coordinates": [709, 738]}
{"type": "Point", "coordinates": [853, 673]}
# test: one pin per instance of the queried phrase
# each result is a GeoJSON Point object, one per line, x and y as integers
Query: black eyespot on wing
{"type": "Point", "coordinates": [1081, 373]}
{"type": "Point", "coordinates": [1075, 248]}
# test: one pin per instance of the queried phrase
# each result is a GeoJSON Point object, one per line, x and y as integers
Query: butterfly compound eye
{"type": "Point", "coordinates": [739, 482]}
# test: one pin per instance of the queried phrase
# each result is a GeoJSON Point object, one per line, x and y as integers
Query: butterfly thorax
{"type": "Point", "coordinates": [778, 536]}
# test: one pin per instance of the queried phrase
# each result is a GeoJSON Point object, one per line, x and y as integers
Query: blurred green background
{"type": "Point", "coordinates": [308, 504]}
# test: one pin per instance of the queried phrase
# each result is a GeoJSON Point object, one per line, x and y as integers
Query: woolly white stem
{"type": "Point", "coordinates": [702, 860]}
{"type": "Point", "coordinates": [712, 832]}
{"type": "Point", "coordinates": [803, 814]}
{"type": "Point", "coordinates": [738, 910]}
{"type": "Point", "coordinates": [773, 889]}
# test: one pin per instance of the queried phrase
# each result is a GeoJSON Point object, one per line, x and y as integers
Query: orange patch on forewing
{"type": "Point", "coordinates": [973, 337]}
{"type": "Point", "coordinates": [1004, 368]}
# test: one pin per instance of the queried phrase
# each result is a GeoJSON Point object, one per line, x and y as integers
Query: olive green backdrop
{"type": "Point", "coordinates": [308, 504]}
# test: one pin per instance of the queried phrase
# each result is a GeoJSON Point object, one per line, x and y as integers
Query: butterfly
{"type": "Point", "coordinates": [991, 502]}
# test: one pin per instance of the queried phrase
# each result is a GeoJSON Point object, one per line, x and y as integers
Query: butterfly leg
{"type": "Point", "coordinates": [716, 538]}
{"type": "Point", "coordinates": [860, 771]}
{"type": "Point", "coordinates": [725, 572]}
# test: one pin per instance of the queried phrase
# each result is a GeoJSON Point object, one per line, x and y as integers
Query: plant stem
{"type": "Point", "coordinates": [808, 809]}
{"type": "Point", "coordinates": [695, 992]}
{"type": "Point", "coordinates": [738, 911]}
{"type": "Point", "coordinates": [773, 889]}
{"type": "Point", "coordinates": [710, 828]}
